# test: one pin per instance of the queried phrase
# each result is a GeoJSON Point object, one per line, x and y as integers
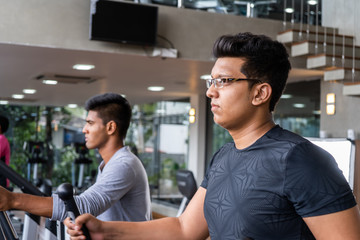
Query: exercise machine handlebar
{"type": "Point", "coordinates": [66, 193]}
{"type": "Point", "coordinates": [23, 184]}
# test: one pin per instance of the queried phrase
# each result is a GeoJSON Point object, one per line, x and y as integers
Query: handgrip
{"type": "Point", "coordinates": [66, 193]}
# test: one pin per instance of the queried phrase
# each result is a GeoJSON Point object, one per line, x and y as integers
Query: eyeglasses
{"type": "Point", "coordinates": [219, 82]}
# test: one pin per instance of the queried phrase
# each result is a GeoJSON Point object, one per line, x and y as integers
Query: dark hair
{"type": "Point", "coordinates": [4, 123]}
{"type": "Point", "coordinates": [111, 106]}
{"type": "Point", "coordinates": [265, 59]}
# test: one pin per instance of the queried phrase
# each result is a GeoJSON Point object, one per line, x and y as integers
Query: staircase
{"type": "Point", "coordinates": [324, 49]}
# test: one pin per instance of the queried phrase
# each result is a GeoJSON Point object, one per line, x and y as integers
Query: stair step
{"type": "Point", "coordinates": [344, 74]}
{"type": "Point", "coordinates": [310, 48]}
{"type": "Point", "coordinates": [351, 89]}
{"type": "Point", "coordinates": [294, 35]}
{"type": "Point", "coordinates": [312, 28]}
{"type": "Point", "coordinates": [324, 61]}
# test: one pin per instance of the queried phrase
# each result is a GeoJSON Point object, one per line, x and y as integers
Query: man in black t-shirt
{"type": "Point", "coordinates": [267, 184]}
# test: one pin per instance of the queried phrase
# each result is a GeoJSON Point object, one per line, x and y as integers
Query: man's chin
{"type": "Point", "coordinates": [88, 146]}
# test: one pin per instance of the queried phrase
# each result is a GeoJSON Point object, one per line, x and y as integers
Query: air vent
{"type": "Point", "coordinates": [61, 78]}
{"type": "Point", "coordinates": [17, 100]}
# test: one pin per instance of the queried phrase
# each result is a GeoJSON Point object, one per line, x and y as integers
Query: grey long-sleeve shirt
{"type": "Point", "coordinates": [120, 193]}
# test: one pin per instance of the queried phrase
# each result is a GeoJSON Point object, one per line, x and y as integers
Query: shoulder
{"type": "Point", "coordinates": [279, 134]}
{"type": "Point", "coordinates": [124, 159]}
{"type": "Point", "coordinates": [3, 139]}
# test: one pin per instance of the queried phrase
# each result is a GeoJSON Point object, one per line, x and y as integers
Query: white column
{"type": "Point", "coordinates": [197, 143]}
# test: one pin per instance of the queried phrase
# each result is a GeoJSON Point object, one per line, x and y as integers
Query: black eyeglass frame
{"type": "Point", "coordinates": [222, 81]}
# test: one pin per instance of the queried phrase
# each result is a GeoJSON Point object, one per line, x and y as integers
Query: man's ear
{"type": "Point", "coordinates": [262, 94]}
{"type": "Point", "coordinates": [111, 127]}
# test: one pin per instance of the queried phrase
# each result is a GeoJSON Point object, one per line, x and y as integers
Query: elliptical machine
{"type": "Point", "coordinates": [79, 165]}
{"type": "Point", "coordinates": [35, 157]}
{"type": "Point", "coordinates": [31, 221]}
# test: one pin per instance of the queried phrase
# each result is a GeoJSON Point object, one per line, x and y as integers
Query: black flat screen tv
{"type": "Point", "coordinates": [125, 22]}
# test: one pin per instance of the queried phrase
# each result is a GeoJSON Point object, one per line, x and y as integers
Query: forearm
{"type": "Point", "coordinates": [40, 206]}
{"type": "Point", "coordinates": [165, 228]}
{"type": "Point", "coordinates": [190, 225]}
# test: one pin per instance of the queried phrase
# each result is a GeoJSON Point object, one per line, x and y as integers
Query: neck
{"type": "Point", "coordinates": [246, 135]}
{"type": "Point", "coordinates": [109, 149]}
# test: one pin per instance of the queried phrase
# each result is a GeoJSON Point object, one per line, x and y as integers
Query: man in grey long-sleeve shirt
{"type": "Point", "coordinates": [121, 191]}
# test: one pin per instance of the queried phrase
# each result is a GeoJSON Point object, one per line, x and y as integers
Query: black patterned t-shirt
{"type": "Point", "coordinates": [264, 191]}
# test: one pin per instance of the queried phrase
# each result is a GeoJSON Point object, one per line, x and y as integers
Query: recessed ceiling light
{"type": "Point", "coordinates": [299, 105]}
{"type": "Point", "coordinates": [72, 105]}
{"type": "Point", "coordinates": [83, 67]}
{"type": "Point", "coordinates": [312, 2]}
{"type": "Point", "coordinates": [4, 102]}
{"type": "Point", "coordinates": [29, 91]}
{"type": "Point", "coordinates": [49, 82]}
{"type": "Point", "coordinates": [205, 77]}
{"type": "Point", "coordinates": [317, 112]}
{"type": "Point", "coordinates": [18, 96]}
{"type": "Point", "coordinates": [156, 88]}
{"type": "Point", "coordinates": [286, 96]}
{"type": "Point", "coordinates": [289, 10]}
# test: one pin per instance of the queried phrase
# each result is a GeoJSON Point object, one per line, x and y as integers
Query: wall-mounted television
{"type": "Point", "coordinates": [124, 22]}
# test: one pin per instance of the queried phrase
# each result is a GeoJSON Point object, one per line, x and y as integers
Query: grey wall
{"type": "Point", "coordinates": [343, 15]}
{"type": "Point", "coordinates": [347, 115]}
{"type": "Point", "coordinates": [65, 24]}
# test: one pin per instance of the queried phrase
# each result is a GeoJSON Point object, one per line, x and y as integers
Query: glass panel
{"type": "Point", "coordinates": [159, 136]}
{"type": "Point", "coordinates": [222, 137]}
{"type": "Point", "coordinates": [270, 9]}
{"type": "Point", "coordinates": [299, 108]}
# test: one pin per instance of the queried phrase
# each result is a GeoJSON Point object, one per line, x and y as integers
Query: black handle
{"type": "Point", "coordinates": [66, 193]}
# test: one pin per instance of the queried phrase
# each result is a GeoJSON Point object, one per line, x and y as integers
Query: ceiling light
{"type": "Point", "coordinates": [312, 2]}
{"type": "Point", "coordinates": [205, 77]}
{"type": "Point", "coordinates": [156, 88]}
{"type": "Point", "coordinates": [299, 105]}
{"type": "Point", "coordinates": [3, 102]}
{"type": "Point", "coordinates": [83, 67]}
{"type": "Point", "coordinates": [289, 10]}
{"type": "Point", "coordinates": [50, 82]}
{"type": "Point", "coordinates": [72, 105]}
{"type": "Point", "coordinates": [29, 91]}
{"type": "Point", "coordinates": [317, 112]}
{"type": "Point", "coordinates": [18, 96]}
{"type": "Point", "coordinates": [286, 96]}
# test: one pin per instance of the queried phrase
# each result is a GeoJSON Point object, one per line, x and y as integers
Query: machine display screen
{"type": "Point", "coordinates": [343, 151]}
